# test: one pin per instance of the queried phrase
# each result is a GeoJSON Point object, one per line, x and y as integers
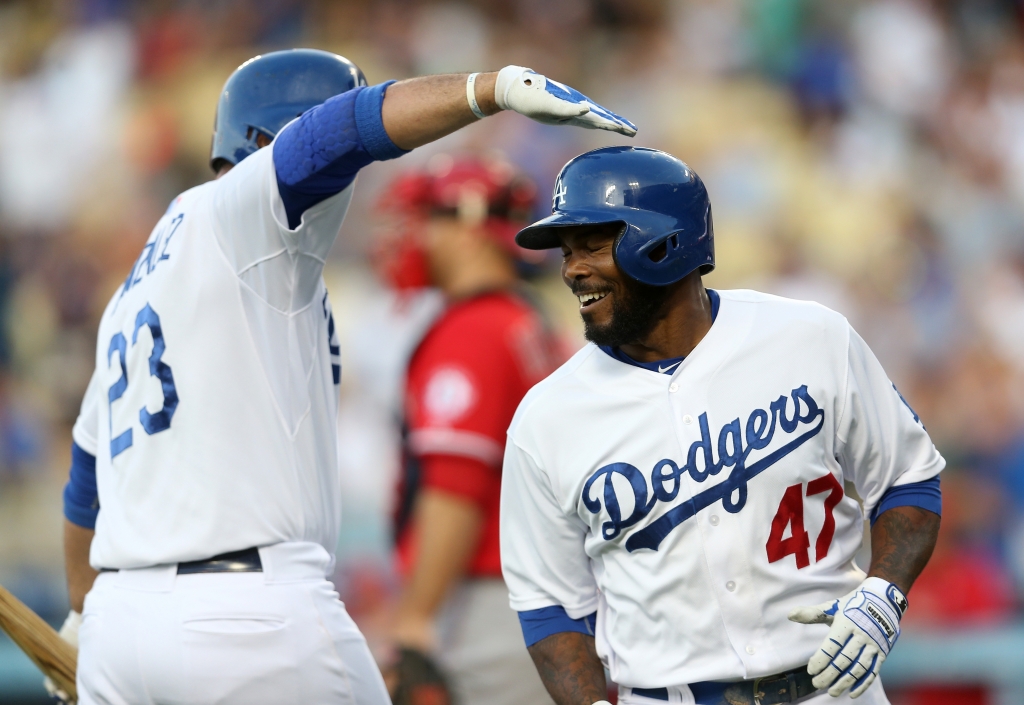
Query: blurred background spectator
{"type": "Point", "coordinates": [867, 154]}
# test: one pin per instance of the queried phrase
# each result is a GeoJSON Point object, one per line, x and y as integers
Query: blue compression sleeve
{"type": "Point", "coordinates": [319, 154]}
{"type": "Point", "coordinates": [542, 623]}
{"type": "Point", "coordinates": [926, 495]}
{"type": "Point", "coordinates": [81, 500]}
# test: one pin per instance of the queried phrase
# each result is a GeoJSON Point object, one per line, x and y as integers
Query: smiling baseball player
{"type": "Point", "coordinates": [204, 483]}
{"type": "Point", "coordinates": [678, 499]}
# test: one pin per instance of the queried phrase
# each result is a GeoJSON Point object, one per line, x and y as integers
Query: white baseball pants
{"type": "Point", "coordinates": [152, 637]}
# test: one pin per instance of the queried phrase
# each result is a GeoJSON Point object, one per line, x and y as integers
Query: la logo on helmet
{"type": "Point", "coordinates": [559, 196]}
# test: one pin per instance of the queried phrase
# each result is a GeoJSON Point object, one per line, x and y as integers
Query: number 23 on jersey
{"type": "Point", "coordinates": [152, 422]}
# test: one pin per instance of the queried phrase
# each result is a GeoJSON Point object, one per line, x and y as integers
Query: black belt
{"type": "Point", "coordinates": [785, 687]}
{"type": "Point", "coordinates": [245, 561]}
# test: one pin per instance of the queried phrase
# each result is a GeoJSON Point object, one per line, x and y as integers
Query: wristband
{"type": "Point", "coordinates": [471, 96]}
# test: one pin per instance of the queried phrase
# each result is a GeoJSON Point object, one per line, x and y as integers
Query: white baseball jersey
{"type": "Point", "coordinates": [212, 409]}
{"type": "Point", "coordinates": [693, 511]}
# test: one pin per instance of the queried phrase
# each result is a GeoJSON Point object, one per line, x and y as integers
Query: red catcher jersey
{"type": "Point", "coordinates": [464, 383]}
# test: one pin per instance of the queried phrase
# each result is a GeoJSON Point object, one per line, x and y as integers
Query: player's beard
{"type": "Point", "coordinates": [636, 309]}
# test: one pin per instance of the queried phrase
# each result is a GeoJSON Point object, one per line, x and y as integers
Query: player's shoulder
{"type": "Point", "coordinates": [184, 200]}
{"type": "Point", "coordinates": [548, 399]}
{"type": "Point", "coordinates": [782, 311]}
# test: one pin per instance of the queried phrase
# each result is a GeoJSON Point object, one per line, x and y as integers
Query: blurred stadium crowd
{"type": "Point", "coordinates": [865, 154]}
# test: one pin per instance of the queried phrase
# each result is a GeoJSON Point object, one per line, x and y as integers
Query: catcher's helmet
{"type": "Point", "coordinates": [660, 201]}
{"type": "Point", "coordinates": [267, 92]}
{"type": "Point", "coordinates": [484, 191]}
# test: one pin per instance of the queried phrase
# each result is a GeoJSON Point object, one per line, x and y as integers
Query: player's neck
{"type": "Point", "coordinates": [683, 323]}
{"type": "Point", "coordinates": [474, 275]}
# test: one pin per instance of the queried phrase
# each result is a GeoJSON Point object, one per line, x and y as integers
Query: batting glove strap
{"type": "Point", "coordinates": [542, 99]}
{"type": "Point", "coordinates": [865, 625]}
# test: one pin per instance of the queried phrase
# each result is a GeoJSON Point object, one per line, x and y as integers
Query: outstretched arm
{"type": "Point", "coordinates": [319, 154]}
{"type": "Point", "coordinates": [421, 110]}
{"type": "Point", "coordinates": [570, 669]}
{"type": "Point", "coordinates": [902, 540]}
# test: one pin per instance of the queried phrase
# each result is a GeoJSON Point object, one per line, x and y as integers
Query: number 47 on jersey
{"type": "Point", "coordinates": [791, 514]}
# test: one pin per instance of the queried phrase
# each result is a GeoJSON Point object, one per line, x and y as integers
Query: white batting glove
{"type": "Point", "coordinates": [865, 627]}
{"type": "Point", "coordinates": [69, 633]}
{"type": "Point", "coordinates": [552, 103]}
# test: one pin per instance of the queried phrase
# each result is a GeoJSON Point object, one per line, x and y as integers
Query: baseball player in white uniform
{"type": "Point", "coordinates": [680, 499]}
{"type": "Point", "coordinates": [204, 487]}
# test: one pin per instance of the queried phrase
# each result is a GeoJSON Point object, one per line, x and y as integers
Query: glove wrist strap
{"type": "Point", "coordinates": [881, 586]}
{"type": "Point", "coordinates": [504, 82]}
{"type": "Point", "coordinates": [471, 96]}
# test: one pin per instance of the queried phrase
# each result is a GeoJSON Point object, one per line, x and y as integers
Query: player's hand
{"type": "Point", "coordinates": [553, 103]}
{"type": "Point", "coordinates": [415, 679]}
{"type": "Point", "coordinates": [865, 627]}
{"type": "Point", "coordinates": [69, 633]}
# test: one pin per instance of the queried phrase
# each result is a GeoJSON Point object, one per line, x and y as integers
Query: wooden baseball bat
{"type": "Point", "coordinates": [55, 657]}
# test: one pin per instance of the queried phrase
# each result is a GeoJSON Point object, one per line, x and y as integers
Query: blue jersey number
{"type": "Point", "coordinates": [151, 423]}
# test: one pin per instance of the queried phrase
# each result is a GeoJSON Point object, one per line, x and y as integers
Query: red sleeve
{"type": "Point", "coordinates": [465, 477]}
{"type": "Point", "coordinates": [463, 389]}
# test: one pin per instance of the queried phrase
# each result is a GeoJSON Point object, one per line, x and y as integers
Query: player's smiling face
{"type": "Point", "coordinates": [616, 309]}
{"type": "Point", "coordinates": [589, 269]}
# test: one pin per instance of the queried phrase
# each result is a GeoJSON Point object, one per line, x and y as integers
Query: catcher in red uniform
{"type": "Point", "coordinates": [457, 638]}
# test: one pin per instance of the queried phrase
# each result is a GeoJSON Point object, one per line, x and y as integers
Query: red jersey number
{"type": "Point", "coordinates": [791, 514]}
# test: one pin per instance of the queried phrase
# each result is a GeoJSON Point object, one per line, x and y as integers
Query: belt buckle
{"type": "Point", "coordinates": [758, 693]}
{"type": "Point", "coordinates": [786, 683]}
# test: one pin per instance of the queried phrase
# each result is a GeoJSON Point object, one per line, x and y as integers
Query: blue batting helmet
{"type": "Point", "coordinates": [660, 202]}
{"type": "Point", "coordinates": [267, 92]}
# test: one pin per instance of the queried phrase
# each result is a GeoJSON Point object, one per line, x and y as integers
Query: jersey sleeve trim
{"type": "Point", "coordinates": [541, 623]}
{"type": "Point", "coordinates": [926, 495]}
{"type": "Point", "coordinates": [447, 441]}
{"type": "Point", "coordinates": [370, 124]}
{"type": "Point", "coordinates": [81, 499]}
{"type": "Point", "coordinates": [526, 604]}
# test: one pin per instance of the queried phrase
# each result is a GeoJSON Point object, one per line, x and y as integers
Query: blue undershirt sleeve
{"type": "Point", "coordinates": [81, 500]}
{"type": "Point", "coordinates": [926, 495]}
{"type": "Point", "coordinates": [320, 153]}
{"type": "Point", "coordinates": [542, 623]}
